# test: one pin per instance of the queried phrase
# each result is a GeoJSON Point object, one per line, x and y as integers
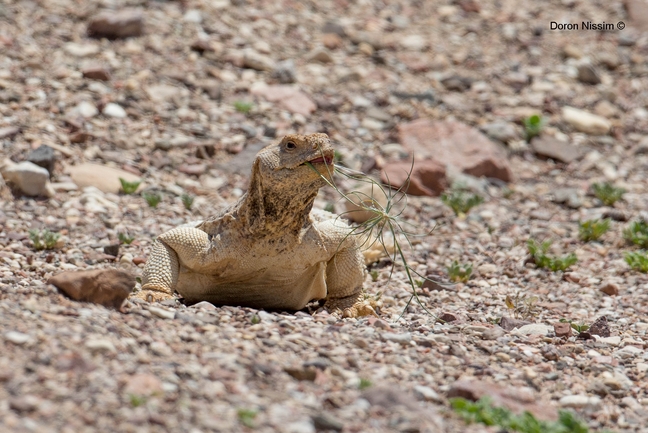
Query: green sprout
{"type": "Point", "coordinates": [461, 201]}
{"type": "Point", "coordinates": [637, 260]}
{"type": "Point", "coordinates": [484, 412]}
{"type": "Point", "coordinates": [592, 230]}
{"type": "Point", "coordinates": [459, 273]}
{"type": "Point", "coordinates": [637, 233]}
{"type": "Point", "coordinates": [129, 187]}
{"type": "Point", "coordinates": [539, 256]}
{"type": "Point", "coordinates": [608, 193]}
{"type": "Point", "coordinates": [152, 198]}
{"type": "Point", "coordinates": [246, 417]}
{"type": "Point", "coordinates": [243, 107]}
{"type": "Point", "coordinates": [125, 239]}
{"type": "Point", "coordinates": [187, 200]}
{"type": "Point", "coordinates": [44, 240]}
{"type": "Point", "coordinates": [533, 126]}
{"type": "Point", "coordinates": [136, 400]}
{"type": "Point", "coordinates": [364, 383]}
{"type": "Point", "coordinates": [578, 327]}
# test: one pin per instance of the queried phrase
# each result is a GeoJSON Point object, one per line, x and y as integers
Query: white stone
{"type": "Point", "coordinates": [487, 269]}
{"type": "Point", "coordinates": [586, 122]}
{"type": "Point", "coordinates": [579, 401]}
{"type": "Point", "coordinates": [81, 50]}
{"type": "Point", "coordinates": [162, 313]}
{"type": "Point", "coordinates": [30, 178]}
{"type": "Point", "coordinates": [628, 352]}
{"type": "Point", "coordinates": [16, 337]}
{"type": "Point", "coordinates": [86, 109]}
{"type": "Point", "coordinates": [612, 341]}
{"type": "Point", "coordinates": [372, 124]}
{"type": "Point", "coordinates": [193, 16]}
{"type": "Point", "coordinates": [100, 345]}
{"type": "Point", "coordinates": [426, 393]}
{"type": "Point", "coordinates": [533, 329]}
{"type": "Point", "coordinates": [114, 110]}
{"type": "Point", "coordinates": [413, 42]}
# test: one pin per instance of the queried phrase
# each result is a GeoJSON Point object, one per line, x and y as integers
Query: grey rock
{"type": "Point", "coordinates": [8, 132]}
{"type": "Point", "coordinates": [500, 131]}
{"type": "Point", "coordinates": [16, 337]}
{"type": "Point", "coordinates": [569, 196]}
{"type": "Point", "coordinates": [43, 156]}
{"type": "Point", "coordinates": [588, 75]}
{"type": "Point", "coordinates": [285, 72]}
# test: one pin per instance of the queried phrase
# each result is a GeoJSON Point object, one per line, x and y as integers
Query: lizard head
{"type": "Point", "coordinates": [286, 177]}
{"type": "Point", "coordinates": [294, 158]}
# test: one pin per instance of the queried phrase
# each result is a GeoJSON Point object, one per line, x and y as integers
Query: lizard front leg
{"type": "Point", "coordinates": [188, 245]}
{"type": "Point", "coordinates": [344, 278]}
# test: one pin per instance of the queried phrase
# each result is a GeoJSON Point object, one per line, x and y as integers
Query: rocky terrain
{"type": "Point", "coordinates": [180, 95]}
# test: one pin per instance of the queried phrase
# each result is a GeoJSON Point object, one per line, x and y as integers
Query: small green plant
{"type": "Point", "coordinates": [459, 272]}
{"type": "Point", "coordinates": [523, 307]}
{"type": "Point", "coordinates": [187, 200]}
{"type": "Point", "coordinates": [255, 319]}
{"type": "Point", "coordinates": [638, 260]}
{"type": "Point", "coordinates": [243, 107]}
{"type": "Point", "coordinates": [637, 233]}
{"type": "Point", "coordinates": [364, 383]}
{"type": "Point", "coordinates": [533, 126]}
{"type": "Point", "coordinates": [129, 187]}
{"type": "Point", "coordinates": [136, 400]}
{"type": "Point", "coordinates": [44, 240]}
{"type": "Point", "coordinates": [125, 239]}
{"type": "Point", "coordinates": [539, 256]}
{"type": "Point", "coordinates": [484, 412]}
{"type": "Point", "coordinates": [461, 201]}
{"type": "Point", "coordinates": [246, 417]}
{"type": "Point", "coordinates": [374, 275]}
{"type": "Point", "coordinates": [607, 193]}
{"type": "Point", "coordinates": [579, 327]}
{"type": "Point", "coordinates": [152, 198]}
{"type": "Point", "coordinates": [592, 230]}
{"type": "Point", "coordinates": [330, 207]}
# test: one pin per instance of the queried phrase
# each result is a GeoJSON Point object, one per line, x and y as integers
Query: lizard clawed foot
{"type": "Point", "coordinates": [359, 309]}
{"type": "Point", "coordinates": [152, 295]}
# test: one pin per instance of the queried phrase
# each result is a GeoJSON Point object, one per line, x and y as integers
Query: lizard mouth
{"type": "Point", "coordinates": [328, 160]}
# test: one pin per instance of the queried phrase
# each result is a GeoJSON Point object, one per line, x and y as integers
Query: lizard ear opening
{"type": "Point", "coordinates": [254, 212]}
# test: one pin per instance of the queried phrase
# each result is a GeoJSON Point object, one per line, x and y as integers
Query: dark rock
{"type": "Point", "coordinates": [116, 24]}
{"type": "Point", "coordinates": [423, 96]}
{"type": "Point", "coordinates": [96, 73]}
{"type": "Point", "coordinates": [448, 317]}
{"type": "Point", "coordinates": [335, 28]}
{"type": "Point", "coordinates": [307, 373]}
{"type": "Point", "coordinates": [108, 287]}
{"type": "Point", "coordinates": [112, 250]}
{"type": "Point", "coordinates": [588, 75]}
{"type": "Point", "coordinates": [430, 284]}
{"type": "Point", "coordinates": [324, 422]}
{"type": "Point", "coordinates": [457, 83]}
{"type": "Point", "coordinates": [44, 157]}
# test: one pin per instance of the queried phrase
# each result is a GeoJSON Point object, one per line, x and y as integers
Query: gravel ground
{"type": "Point", "coordinates": [185, 102]}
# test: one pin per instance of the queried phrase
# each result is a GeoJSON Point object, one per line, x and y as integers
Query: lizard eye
{"type": "Point", "coordinates": [291, 145]}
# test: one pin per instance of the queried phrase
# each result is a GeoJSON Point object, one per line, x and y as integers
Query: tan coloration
{"type": "Point", "coordinates": [268, 250]}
